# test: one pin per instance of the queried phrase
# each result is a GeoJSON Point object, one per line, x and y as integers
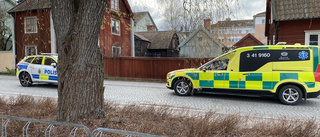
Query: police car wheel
{"type": "Point", "coordinates": [290, 95]}
{"type": "Point", "coordinates": [182, 87]}
{"type": "Point", "coordinates": [25, 79]}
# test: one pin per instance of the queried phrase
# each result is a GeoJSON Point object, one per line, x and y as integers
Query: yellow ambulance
{"type": "Point", "coordinates": [287, 72]}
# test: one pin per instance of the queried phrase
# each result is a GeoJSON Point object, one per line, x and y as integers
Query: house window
{"type": "Point", "coordinates": [116, 51]}
{"type": "Point", "coordinates": [263, 21]}
{"type": "Point", "coordinates": [115, 26]}
{"type": "Point", "coordinates": [30, 24]}
{"type": "Point", "coordinates": [115, 5]}
{"type": "Point", "coordinates": [30, 50]}
{"type": "Point", "coordinates": [312, 37]}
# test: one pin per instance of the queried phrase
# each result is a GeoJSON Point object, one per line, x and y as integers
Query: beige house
{"type": "Point", "coordinates": [260, 23]}
{"type": "Point", "coordinates": [229, 32]}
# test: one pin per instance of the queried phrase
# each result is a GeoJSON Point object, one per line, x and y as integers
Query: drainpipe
{"type": "Point", "coordinates": [53, 36]}
{"type": "Point", "coordinates": [132, 37]}
{"type": "Point", "coordinates": [14, 41]}
{"type": "Point", "coordinates": [276, 35]}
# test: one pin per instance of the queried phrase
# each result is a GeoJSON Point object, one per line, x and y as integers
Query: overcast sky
{"type": "Point", "coordinates": [248, 8]}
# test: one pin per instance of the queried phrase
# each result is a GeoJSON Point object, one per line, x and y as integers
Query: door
{"type": "Point", "coordinates": [215, 75]}
{"type": "Point", "coordinates": [36, 68]}
{"type": "Point", "coordinates": [50, 70]}
{"type": "Point", "coordinates": [255, 69]}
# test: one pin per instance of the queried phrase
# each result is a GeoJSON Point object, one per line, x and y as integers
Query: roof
{"type": "Point", "coordinates": [139, 15]}
{"type": "Point", "coordinates": [183, 35]}
{"type": "Point", "coordinates": [141, 37]}
{"type": "Point", "coordinates": [195, 32]}
{"type": "Point", "coordinates": [246, 38]}
{"type": "Point", "coordinates": [283, 10]}
{"type": "Point", "coordinates": [158, 39]}
{"type": "Point", "coordinates": [46, 4]}
{"type": "Point", "coordinates": [233, 23]}
{"type": "Point", "coordinates": [261, 14]}
{"type": "Point", "coordinates": [31, 5]}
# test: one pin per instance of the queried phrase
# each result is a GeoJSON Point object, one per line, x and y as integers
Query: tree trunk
{"type": "Point", "coordinates": [80, 64]}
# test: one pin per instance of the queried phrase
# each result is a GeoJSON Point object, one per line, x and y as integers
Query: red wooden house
{"type": "Point", "coordinates": [34, 33]}
{"type": "Point", "coordinates": [293, 21]}
{"type": "Point", "coordinates": [248, 40]}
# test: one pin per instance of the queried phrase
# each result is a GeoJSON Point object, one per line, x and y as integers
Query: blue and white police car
{"type": "Point", "coordinates": [37, 68]}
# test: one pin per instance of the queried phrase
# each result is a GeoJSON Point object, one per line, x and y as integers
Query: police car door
{"type": "Point", "coordinates": [35, 68]}
{"type": "Point", "coordinates": [50, 70]}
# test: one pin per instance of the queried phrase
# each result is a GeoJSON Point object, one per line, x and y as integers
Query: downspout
{"type": "Point", "coordinates": [53, 36]}
{"type": "Point", "coordinates": [132, 37]}
{"type": "Point", "coordinates": [14, 41]}
{"type": "Point", "coordinates": [276, 35]}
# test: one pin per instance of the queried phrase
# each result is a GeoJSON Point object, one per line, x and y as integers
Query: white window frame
{"type": "Point", "coordinates": [307, 36]}
{"type": "Point", "coordinates": [115, 22]}
{"type": "Point", "coordinates": [26, 19]}
{"type": "Point", "coordinates": [114, 5]}
{"type": "Point", "coordinates": [30, 46]}
{"type": "Point", "coordinates": [116, 47]}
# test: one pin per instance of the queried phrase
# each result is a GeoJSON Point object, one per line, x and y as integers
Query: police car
{"type": "Point", "coordinates": [287, 72]}
{"type": "Point", "coordinates": [37, 68]}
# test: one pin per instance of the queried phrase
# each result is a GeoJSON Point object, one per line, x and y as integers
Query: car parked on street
{"type": "Point", "coordinates": [287, 72]}
{"type": "Point", "coordinates": [37, 68]}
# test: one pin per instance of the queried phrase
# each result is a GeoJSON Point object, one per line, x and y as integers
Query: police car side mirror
{"type": "Point", "coordinates": [204, 69]}
{"type": "Point", "coordinates": [54, 65]}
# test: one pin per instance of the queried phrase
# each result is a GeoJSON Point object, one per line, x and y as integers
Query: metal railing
{"type": "Point", "coordinates": [98, 132]}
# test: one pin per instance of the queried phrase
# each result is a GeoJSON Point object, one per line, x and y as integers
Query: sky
{"type": "Point", "coordinates": [247, 9]}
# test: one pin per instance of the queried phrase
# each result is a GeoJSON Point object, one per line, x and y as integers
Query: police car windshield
{"type": "Point", "coordinates": [55, 57]}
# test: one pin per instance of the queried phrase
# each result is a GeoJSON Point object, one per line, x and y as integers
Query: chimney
{"type": "Point", "coordinates": [207, 23]}
{"type": "Point", "coordinates": [151, 27]}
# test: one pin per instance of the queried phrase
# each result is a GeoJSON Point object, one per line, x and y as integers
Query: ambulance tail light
{"type": "Point", "coordinates": [317, 74]}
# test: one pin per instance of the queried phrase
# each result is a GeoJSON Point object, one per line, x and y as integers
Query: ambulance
{"type": "Point", "coordinates": [287, 72]}
{"type": "Point", "coordinates": [37, 68]}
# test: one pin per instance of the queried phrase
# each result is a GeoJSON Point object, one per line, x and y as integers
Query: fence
{"type": "Point", "coordinates": [50, 124]}
{"type": "Point", "coordinates": [6, 59]}
{"type": "Point", "coordinates": [151, 68]}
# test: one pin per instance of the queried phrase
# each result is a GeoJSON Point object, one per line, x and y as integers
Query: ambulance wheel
{"type": "Point", "coordinates": [290, 95]}
{"type": "Point", "coordinates": [25, 79]}
{"type": "Point", "coordinates": [183, 87]}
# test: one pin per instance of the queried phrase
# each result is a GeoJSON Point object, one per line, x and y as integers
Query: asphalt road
{"type": "Point", "coordinates": [156, 94]}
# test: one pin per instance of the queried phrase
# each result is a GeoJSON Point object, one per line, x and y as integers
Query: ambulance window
{"type": "Point", "coordinates": [220, 64]}
{"type": "Point", "coordinates": [28, 59]}
{"type": "Point", "coordinates": [37, 60]}
{"type": "Point", "coordinates": [254, 59]}
{"type": "Point", "coordinates": [48, 61]}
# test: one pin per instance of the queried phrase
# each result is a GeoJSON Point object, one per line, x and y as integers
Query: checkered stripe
{"type": "Point", "coordinates": [263, 81]}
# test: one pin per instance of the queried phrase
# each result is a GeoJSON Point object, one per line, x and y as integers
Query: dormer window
{"type": "Point", "coordinates": [115, 5]}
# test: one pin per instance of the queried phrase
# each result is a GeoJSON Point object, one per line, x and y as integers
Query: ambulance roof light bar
{"type": "Point", "coordinates": [281, 43]}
